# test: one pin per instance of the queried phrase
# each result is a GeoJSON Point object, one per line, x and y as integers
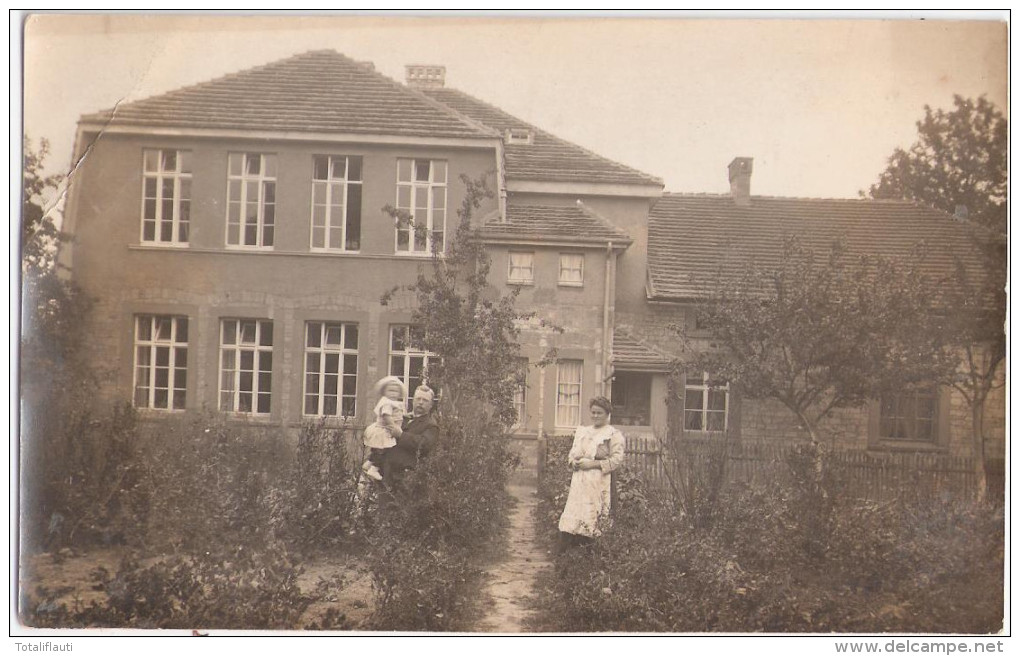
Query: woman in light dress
{"type": "Point", "coordinates": [597, 451]}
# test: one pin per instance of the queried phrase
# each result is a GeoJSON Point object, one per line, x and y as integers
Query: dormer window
{"type": "Point", "coordinates": [519, 136]}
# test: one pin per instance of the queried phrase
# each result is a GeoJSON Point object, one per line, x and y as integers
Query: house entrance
{"type": "Point", "coordinates": [632, 393]}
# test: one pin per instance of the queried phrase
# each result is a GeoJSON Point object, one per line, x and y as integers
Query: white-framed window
{"type": "Point", "coordinates": [246, 365]}
{"type": "Point", "coordinates": [568, 393]}
{"type": "Point", "coordinates": [331, 369]}
{"type": "Point", "coordinates": [251, 200]}
{"type": "Point", "coordinates": [911, 416]}
{"type": "Point", "coordinates": [336, 202]}
{"type": "Point", "coordinates": [161, 362]}
{"type": "Point", "coordinates": [520, 268]}
{"type": "Point", "coordinates": [571, 269]}
{"type": "Point", "coordinates": [409, 361]}
{"type": "Point", "coordinates": [706, 403]}
{"type": "Point", "coordinates": [166, 196]}
{"type": "Point", "coordinates": [421, 193]}
{"type": "Point", "coordinates": [521, 394]}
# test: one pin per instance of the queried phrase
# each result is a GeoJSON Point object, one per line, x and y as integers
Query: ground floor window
{"type": "Point", "coordinates": [331, 369]}
{"type": "Point", "coordinates": [910, 416]}
{"type": "Point", "coordinates": [632, 399]}
{"type": "Point", "coordinates": [161, 357]}
{"type": "Point", "coordinates": [706, 403]}
{"type": "Point", "coordinates": [568, 393]}
{"type": "Point", "coordinates": [409, 361]}
{"type": "Point", "coordinates": [246, 365]}
{"type": "Point", "coordinates": [521, 394]}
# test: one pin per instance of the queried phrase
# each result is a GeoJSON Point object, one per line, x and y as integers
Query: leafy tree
{"type": "Point", "coordinates": [471, 328]}
{"type": "Point", "coordinates": [820, 331]}
{"type": "Point", "coordinates": [973, 306]}
{"type": "Point", "coordinates": [39, 235]}
{"type": "Point", "coordinates": [959, 158]}
{"type": "Point", "coordinates": [52, 306]}
{"type": "Point", "coordinates": [56, 384]}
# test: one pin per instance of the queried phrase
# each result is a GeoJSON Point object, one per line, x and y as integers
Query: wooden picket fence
{"type": "Point", "coordinates": [864, 474]}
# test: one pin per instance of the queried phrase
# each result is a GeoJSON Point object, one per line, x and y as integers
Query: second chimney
{"type": "Point", "coordinates": [740, 179]}
{"type": "Point", "coordinates": [425, 76]}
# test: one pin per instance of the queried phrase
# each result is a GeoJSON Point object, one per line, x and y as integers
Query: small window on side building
{"type": "Point", "coordinates": [571, 269]}
{"type": "Point", "coordinates": [520, 268]}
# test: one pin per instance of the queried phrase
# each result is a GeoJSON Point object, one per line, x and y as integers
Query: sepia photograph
{"type": "Point", "coordinates": [513, 324]}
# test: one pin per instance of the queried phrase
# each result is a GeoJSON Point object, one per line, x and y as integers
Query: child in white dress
{"type": "Point", "coordinates": [388, 426]}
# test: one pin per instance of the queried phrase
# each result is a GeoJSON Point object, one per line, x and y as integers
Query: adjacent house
{"type": "Point", "coordinates": [234, 237]}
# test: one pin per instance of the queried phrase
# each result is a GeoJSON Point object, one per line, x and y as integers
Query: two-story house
{"type": "Point", "coordinates": [234, 237]}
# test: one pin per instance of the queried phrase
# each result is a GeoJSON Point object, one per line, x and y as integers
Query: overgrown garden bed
{"type": "Point", "coordinates": [793, 554]}
{"type": "Point", "coordinates": [199, 522]}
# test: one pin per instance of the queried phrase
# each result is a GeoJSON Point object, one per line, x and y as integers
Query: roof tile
{"type": "Point", "coordinates": [629, 351]}
{"type": "Point", "coordinates": [690, 235]}
{"type": "Point", "coordinates": [318, 91]}
{"type": "Point", "coordinates": [545, 222]}
{"type": "Point", "coordinates": [547, 158]}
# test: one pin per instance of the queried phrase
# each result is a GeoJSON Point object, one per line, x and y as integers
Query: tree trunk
{"type": "Point", "coordinates": [977, 416]}
{"type": "Point", "coordinates": [674, 409]}
{"type": "Point", "coordinates": [816, 451]}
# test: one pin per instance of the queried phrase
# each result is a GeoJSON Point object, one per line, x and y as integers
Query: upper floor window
{"type": "Point", "coordinates": [161, 361]}
{"type": "Point", "coordinates": [571, 269]}
{"type": "Point", "coordinates": [166, 196]}
{"type": "Point", "coordinates": [409, 361]}
{"type": "Point", "coordinates": [331, 369]}
{"type": "Point", "coordinates": [520, 268]}
{"type": "Point", "coordinates": [910, 416]}
{"type": "Point", "coordinates": [421, 193]}
{"type": "Point", "coordinates": [568, 393]}
{"type": "Point", "coordinates": [336, 202]}
{"type": "Point", "coordinates": [246, 365]}
{"type": "Point", "coordinates": [706, 403]}
{"type": "Point", "coordinates": [251, 200]}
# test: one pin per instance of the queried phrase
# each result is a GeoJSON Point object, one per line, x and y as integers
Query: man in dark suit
{"type": "Point", "coordinates": [417, 440]}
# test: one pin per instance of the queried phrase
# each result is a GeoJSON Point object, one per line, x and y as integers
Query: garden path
{"type": "Point", "coordinates": [510, 581]}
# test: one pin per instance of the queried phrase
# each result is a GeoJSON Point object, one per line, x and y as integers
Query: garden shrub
{"type": "Point", "coordinates": [695, 476]}
{"type": "Point", "coordinates": [420, 588]}
{"type": "Point", "coordinates": [314, 509]}
{"type": "Point", "coordinates": [210, 482]}
{"type": "Point", "coordinates": [430, 533]}
{"type": "Point", "coordinates": [84, 483]}
{"type": "Point", "coordinates": [230, 588]}
{"type": "Point", "coordinates": [553, 485]}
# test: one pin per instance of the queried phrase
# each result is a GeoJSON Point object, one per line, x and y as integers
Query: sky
{"type": "Point", "coordinates": [819, 104]}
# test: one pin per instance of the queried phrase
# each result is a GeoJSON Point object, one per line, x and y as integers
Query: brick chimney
{"type": "Point", "coordinates": [428, 77]}
{"type": "Point", "coordinates": [740, 179]}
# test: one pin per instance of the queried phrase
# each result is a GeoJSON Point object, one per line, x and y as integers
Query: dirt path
{"type": "Point", "coordinates": [510, 581]}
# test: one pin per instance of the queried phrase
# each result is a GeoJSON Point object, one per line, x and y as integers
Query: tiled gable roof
{"type": "Point", "coordinates": [631, 352]}
{"type": "Point", "coordinates": [547, 158]}
{"type": "Point", "coordinates": [689, 236]}
{"type": "Point", "coordinates": [574, 223]}
{"type": "Point", "coordinates": [318, 91]}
